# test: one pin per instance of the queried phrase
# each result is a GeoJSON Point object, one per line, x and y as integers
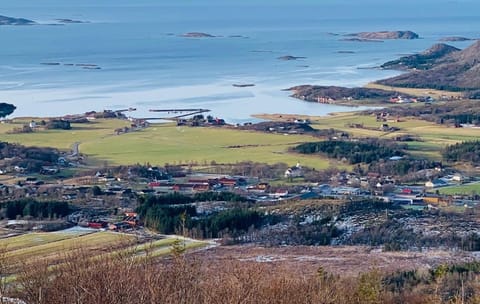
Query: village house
{"type": "Point", "coordinates": [280, 193]}
{"type": "Point", "coordinates": [228, 182]}
{"type": "Point", "coordinates": [295, 171]}
{"type": "Point", "coordinates": [436, 183]}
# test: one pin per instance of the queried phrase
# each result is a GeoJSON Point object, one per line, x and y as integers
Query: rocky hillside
{"type": "Point", "coordinates": [423, 61]}
{"type": "Point", "coordinates": [456, 71]}
{"type": "Point", "coordinates": [15, 21]}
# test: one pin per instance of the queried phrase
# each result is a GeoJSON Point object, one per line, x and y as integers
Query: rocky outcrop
{"type": "Point", "coordinates": [197, 35]}
{"type": "Point", "coordinates": [382, 35]}
{"type": "Point", "coordinates": [70, 21]}
{"type": "Point", "coordinates": [4, 20]}
{"type": "Point", "coordinates": [360, 40]}
{"type": "Point", "coordinates": [455, 38]}
{"type": "Point", "coordinates": [243, 85]}
{"type": "Point", "coordinates": [456, 71]}
{"type": "Point", "coordinates": [289, 57]}
{"type": "Point", "coordinates": [422, 61]}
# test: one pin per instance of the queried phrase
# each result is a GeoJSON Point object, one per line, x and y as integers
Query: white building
{"type": "Point", "coordinates": [295, 171]}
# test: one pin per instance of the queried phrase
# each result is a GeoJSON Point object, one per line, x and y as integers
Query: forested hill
{"type": "Point", "coordinates": [455, 71]}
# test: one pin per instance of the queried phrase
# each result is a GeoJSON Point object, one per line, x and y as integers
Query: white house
{"type": "Point", "coordinates": [295, 171]}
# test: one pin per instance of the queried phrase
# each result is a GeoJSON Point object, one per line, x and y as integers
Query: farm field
{"type": "Point", "coordinates": [467, 189]}
{"type": "Point", "coordinates": [433, 137]}
{"type": "Point", "coordinates": [167, 143]}
{"type": "Point", "coordinates": [53, 247]}
{"type": "Point", "coordinates": [414, 91]}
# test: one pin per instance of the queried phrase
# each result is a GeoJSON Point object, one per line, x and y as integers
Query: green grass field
{"type": "Point", "coordinates": [50, 245]}
{"type": "Point", "coordinates": [434, 136]}
{"type": "Point", "coordinates": [167, 143]}
{"type": "Point", "coordinates": [55, 247]}
{"type": "Point", "coordinates": [467, 189]}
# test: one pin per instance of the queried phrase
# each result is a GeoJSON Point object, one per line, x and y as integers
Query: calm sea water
{"type": "Point", "coordinates": [146, 64]}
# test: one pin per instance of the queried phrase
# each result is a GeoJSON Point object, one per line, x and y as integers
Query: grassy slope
{"type": "Point", "coordinates": [46, 245]}
{"type": "Point", "coordinates": [414, 91]}
{"type": "Point", "coordinates": [54, 247]}
{"type": "Point", "coordinates": [434, 136]}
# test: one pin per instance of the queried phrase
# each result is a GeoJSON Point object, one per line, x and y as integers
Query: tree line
{"type": "Point", "coordinates": [463, 152]}
{"type": "Point", "coordinates": [365, 151]}
{"type": "Point", "coordinates": [174, 212]}
{"type": "Point", "coordinates": [36, 209]}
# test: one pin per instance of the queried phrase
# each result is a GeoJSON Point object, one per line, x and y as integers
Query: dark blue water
{"type": "Point", "coordinates": [146, 64]}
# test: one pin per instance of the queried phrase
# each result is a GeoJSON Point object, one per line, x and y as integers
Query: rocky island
{"type": "Point", "coordinates": [243, 85]}
{"type": "Point", "coordinates": [70, 21]}
{"type": "Point", "coordinates": [4, 20]}
{"type": "Point", "coordinates": [197, 35]}
{"type": "Point", "coordinates": [360, 40]}
{"type": "Point", "coordinates": [382, 35]}
{"type": "Point", "coordinates": [289, 57]}
{"type": "Point", "coordinates": [455, 39]}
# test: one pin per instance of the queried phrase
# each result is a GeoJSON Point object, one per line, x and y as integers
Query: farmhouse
{"type": "Point", "coordinates": [436, 183]}
{"type": "Point", "coordinates": [295, 171]}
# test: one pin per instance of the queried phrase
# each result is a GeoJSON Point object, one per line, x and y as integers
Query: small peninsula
{"type": "Point", "coordinates": [340, 95]}
{"type": "Point", "coordinates": [4, 20]}
{"type": "Point", "coordinates": [382, 35]}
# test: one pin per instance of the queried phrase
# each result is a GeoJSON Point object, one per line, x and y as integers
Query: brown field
{"type": "Point", "coordinates": [341, 260]}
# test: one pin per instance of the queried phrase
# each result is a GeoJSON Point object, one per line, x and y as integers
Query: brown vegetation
{"type": "Point", "coordinates": [455, 71]}
{"type": "Point", "coordinates": [181, 279]}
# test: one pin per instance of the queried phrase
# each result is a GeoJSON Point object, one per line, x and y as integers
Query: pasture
{"type": "Point", "coordinates": [55, 247]}
{"type": "Point", "coordinates": [433, 137]}
{"type": "Point", "coordinates": [167, 143]}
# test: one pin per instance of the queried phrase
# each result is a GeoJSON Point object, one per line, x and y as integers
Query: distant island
{"type": "Point", "coordinates": [361, 40]}
{"type": "Point", "coordinates": [70, 21]}
{"type": "Point", "coordinates": [4, 20]}
{"type": "Point", "coordinates": [86, 66]}
{"type": "Point", "coordinates": [289, 57]}
{"type": "Point", "coordinates": [455, 38]}
{"type": "Point", "coordinates": [243, 85]}
{"type": "Point", "coordinates": [382, 35]}
{"type": "Point", "coordinates": [197, 35]}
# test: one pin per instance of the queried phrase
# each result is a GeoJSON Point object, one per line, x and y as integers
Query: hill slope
{"type": "Point", "coordinates": [455, 70]}
{"type": "Point", "coordinates": [422, 61]}
{"type": "Point", "coordinates": [4, 20]}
